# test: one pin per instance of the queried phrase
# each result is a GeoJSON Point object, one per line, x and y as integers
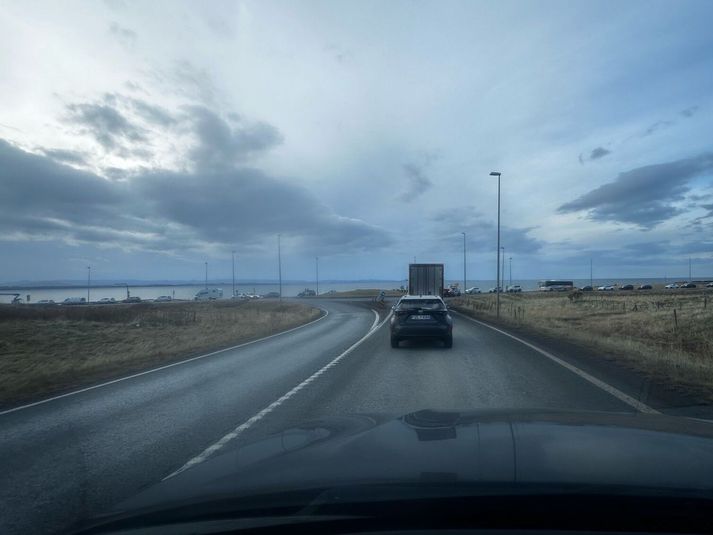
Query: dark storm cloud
{"type": "Point", "coordinates": [645, 196]}
{"type": "Point", "coordinates": [417, 183]}
{"type": "Point", "coordinates": [599, 152]}
{"type": "Point", "coordinates": [125, 36]}
{"type": "Point", "coordinates": [109, 127]}
{"type": "Point", "coordinates": [219, 144]}
{"type": "Point", "coordinates": [152, 113]}
{"type": "Point", "coordinates": [163, 211]}
{"type": "Point", "coordinates": [481, 234]}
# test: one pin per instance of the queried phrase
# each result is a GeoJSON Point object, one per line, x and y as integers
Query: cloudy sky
{"type": "Point", "coordinates": [145, 138]}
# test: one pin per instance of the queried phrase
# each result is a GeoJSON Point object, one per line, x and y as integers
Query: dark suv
{"type": "Point", "coordinates": [421, 316]}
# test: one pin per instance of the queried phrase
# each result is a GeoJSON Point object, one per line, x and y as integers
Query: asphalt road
{"type": "Point", "coordinates": [76, 456]}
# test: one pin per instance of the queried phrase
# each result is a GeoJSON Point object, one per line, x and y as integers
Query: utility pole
{"type": "Point", "coordinates": [465, 279]}
{"type": "Point", "coordinates": [316, 260]}
{"type": "Point", "coordinates": [497, 266]}
{"type": "Point", "coordinates": [591, 279]}
{"type": "Point", "coordinates": [233, 274]}
{"type": "Point", "coordinates": [279, 264]}
{"type": "Point", "coordinates": [689, 269]}
{"type": "Point", "coordinates": [89, 280]}
{"type": "Point", "coordinates": [502, 278]}
{"type": "Point", "coordinates": [206, 275]}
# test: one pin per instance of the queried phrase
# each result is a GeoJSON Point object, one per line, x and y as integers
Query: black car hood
{"type": "Point", "coordinates": [487, 450]}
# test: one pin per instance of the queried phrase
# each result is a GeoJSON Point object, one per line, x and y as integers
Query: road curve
{"type": "Point", "coordinates": [77, 455]}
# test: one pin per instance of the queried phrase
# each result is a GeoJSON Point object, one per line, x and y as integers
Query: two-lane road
{"type": "Point", "coordinates": [75, 456]}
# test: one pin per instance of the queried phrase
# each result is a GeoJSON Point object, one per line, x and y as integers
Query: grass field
{"type": "Point", "coordinates": [46, 350]}
{"type": "Point", "coordinates": [664, 334]}
{"type": "Point", "coordinates": [365, 292]}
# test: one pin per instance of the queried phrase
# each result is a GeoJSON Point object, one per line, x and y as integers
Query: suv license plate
{"type": "Point", "coordinates": [421, 317]}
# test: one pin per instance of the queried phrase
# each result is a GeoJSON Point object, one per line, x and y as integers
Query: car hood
{"type": "Point", "coordinates": [519, 451]}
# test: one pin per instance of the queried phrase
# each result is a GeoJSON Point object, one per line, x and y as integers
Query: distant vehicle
{"type": "Point", "coordinates": [254, 296]}
{"type": "Point", "coordinates": [426, 279]}
{"type": "Point", "coordinates": [45, 302]}
{"type": "Point", "coordinates": [709, 285]}
{"type": "Point", "coordinates": [586, 289]}
{"type": "Point", "coordinates": [163, 298]}
{"type": "Point", "coordinates": [417, 316]}
{"type": "Point", "coordinates": [514, 289]}
{"type": "Point", "coordinates": [495, 290]}
{"type": "Point", "coordinates": [272, 294]}
{"type": "Point", "coordinates": [307, 293]}
{"type": "Point", "coordinates": [473, 290]}
{"type": "Point", "coordinates": [330, 292]}
{"type": "Point", "coordinates": [240, 296]}
{"type": "Point", "coordinates": [106, 300]}
{"type": "Point", "coordinates": [74, 301]}
{"type": "Point", "coordinates": [448, 292]}
{"type": "Point", "coordinates": [688, 285]}
{"type": "Point", "coordinates": [209, 294]}
{"type": "Point", "coordinates": [645, 287]}
{"type": "Point", "coordinates": [134, 299]}
{"type": "Point", "coordinates": [556, 286]}
{"type": "Point", "coordinates": [606, 288]}
{"type": "Point", "coordinates": [672, 286]}
{"type": "Point", "coordinates": [627, 287]}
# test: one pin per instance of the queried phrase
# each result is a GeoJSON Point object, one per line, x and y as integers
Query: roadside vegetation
{"type": "Point", "coordinates": [365, 292]}
{"type": "Point", "coordinates": [665, 335]}
{"type": "Point", "coordinates": [47, 350]}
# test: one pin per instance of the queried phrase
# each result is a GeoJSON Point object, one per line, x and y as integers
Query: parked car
{"type": "Point", "coordinates": [586, 288]}
{"type": "Point", "coordinates": [134, 299]}
{"type": "Point", "coordinates": [447, 292]}
{"type": "Point", "coordinates": [645, 287]}
{"type": "Point", "coordinates": [45, 302]}
{"type": "Point", "coordinates": [514, 289]}
{"type": "Point", "coordinates": [74, 301]}
{"type": "Point", "coordinates": [209, 294]}
{"type": "Point", "coordinates": [709, 285]}
{"type": "Point", "coordinates": [272, 295]}
{"type": "Point", "coordinates": [307, 293]}
{"type": "Point", "coordinates": [627, 287]}
{"type": "Point", "coordinates": [494, 290]}
{"type": "Point", "coordinates": [418, 316]}
{"type": "Point", "coordinates": [672, 286]}
{"type": "Point", "coordinates": [163, 298]}
{"type": "Point", "coordinates": [473, 290]}
{"type": "Point", "coordinates": [254, 296]}
{"type": "Point", "coordinates": [241, 296]}
{"type": "Point", "coordinates": [606, 288]}
{"type": "Point", "coordinates": [106, 301]}
{"type": "Point", "coordinates": [688, 285]}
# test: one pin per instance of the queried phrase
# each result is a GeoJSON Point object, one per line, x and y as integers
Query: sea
{"type": "Point", "coordinates": [32, 294]}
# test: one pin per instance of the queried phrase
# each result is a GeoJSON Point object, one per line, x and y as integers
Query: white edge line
{"type": "Point", "coordinates": [153, 370]}
{"type": "Point", "coordinates": [235, 433]}
{"type": "Point", "coordinates": [638, 405]}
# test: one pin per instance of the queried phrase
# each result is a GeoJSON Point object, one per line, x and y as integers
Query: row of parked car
{"type": "Point", "coordinates": [629, 287]}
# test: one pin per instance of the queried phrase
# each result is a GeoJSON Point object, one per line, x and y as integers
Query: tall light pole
{"type": "Point", "coordinates": [591, 279]}
{"type": "Point", "coordinates": [497, 266]}
{"type": "Point", "coordinates": [279, 264]}
{"type": "Point", "coordinates": [233, 273]}
{"type": "Point", "coordinates": [89, 280]}
{"type": "Point", "coordinates": [511, 271]}
{"type": "Point", "coordinates": [316, 266]}
{"type": "Point", "coordinates": [465, 283]}
{"type": "Point", "coordinates": [206, 275]}
{"type": "Point", "coordinates": [689, 270]}
{"type": "Point", "coordinates": [503, 268]}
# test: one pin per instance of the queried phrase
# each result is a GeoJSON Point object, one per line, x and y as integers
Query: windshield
{"type": "Point", "coordinates": [227, 221]}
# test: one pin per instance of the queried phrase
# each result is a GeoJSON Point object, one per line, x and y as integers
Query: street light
{"type": "Point", "coordinates": [316, 261]}
{"type": "Point", "coordinates": [503, 268]}
{"type": "Point", "coordinates": [464, 277]}
{"type": "Point", "coordinates": [511, 272]}
{"type": "Point", "coordinates": [497, 266]}
{"type": "Point", "coordinates": [279, 264]}
{"type": "Point", "coordinates": [233, 274]}
{"type": "Point", "coordinates": [89, 280]}
{"type": "Point", "coordinates": [206, 275]}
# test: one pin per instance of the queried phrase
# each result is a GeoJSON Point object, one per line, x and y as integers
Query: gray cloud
{"type": "Point", "coordinates": [658, 125]}
{"type": "Point", "coordinates": [66, 156]}
{"type": "Point", "coordinates": [125, 36]}
{"type": "Point", "coordinates": [417, 183]}
{"type": "Point", "coordinates": [689, 112]}
{"type": "Point", "coordinates": [645, 196]}
{"type": "Point", "coordinates": [219, 144]}
{"type": "Point", "coordinates": [166, 211]}
{"type": "Point", "coordinates": [599, 152]}
{"type": "Point", "coordinates": [105, 123]}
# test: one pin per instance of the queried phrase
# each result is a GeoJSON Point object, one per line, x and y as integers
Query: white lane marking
{"type": "Point", "coordinates": [153, 370]}
{"type": "Point", "coordinates": [638, 405]}
{"type": "Point", "coordinates": [275, 404]}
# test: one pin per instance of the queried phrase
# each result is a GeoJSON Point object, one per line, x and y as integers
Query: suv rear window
{"type": "Point", "coordinates": [415, 304]}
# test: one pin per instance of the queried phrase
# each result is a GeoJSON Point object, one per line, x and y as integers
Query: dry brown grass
{"type": "Point", "coordinates": [365, 292]}
{"type": "Point", "coordinates": [45, 350]}
{"type": "Point", "coordinates": [638, 327]}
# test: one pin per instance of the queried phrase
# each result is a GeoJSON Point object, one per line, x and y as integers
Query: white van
{"type": "Point", "coordinates": [209, 294]}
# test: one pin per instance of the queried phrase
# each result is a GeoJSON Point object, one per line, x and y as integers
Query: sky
{"type": "Point", "coordinates": [144, 139]}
